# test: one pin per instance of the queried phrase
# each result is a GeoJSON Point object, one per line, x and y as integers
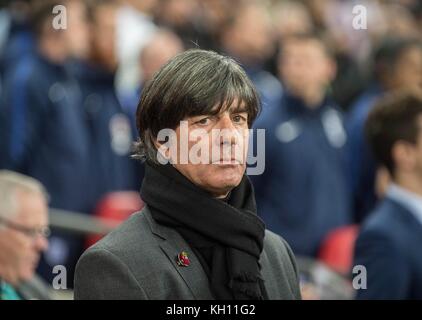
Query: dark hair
{"type": "Point", "coordinates": [394, 118]}
{"type": "Point", "coordinates": [390, 51]}
{"type": "Point", "coordinates": [195, 82]}
{"type": "Point", "coordinates": [41, 12]}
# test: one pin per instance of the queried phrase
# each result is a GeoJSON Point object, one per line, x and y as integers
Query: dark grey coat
{"type": "Point", "coordinates": [138, 260]}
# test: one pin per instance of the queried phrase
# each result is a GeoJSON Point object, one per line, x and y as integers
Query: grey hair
{"type": "Point", "coordinates": [11, 183]}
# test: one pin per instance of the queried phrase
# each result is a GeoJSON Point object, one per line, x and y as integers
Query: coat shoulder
{"type": "Point", "coordinates": [281, 264]}
{"type": "Point", "coordinates": [133, 243]}
{"type": "Point", "coordinates": [135, 230]}
{"type": "Point", "coordinates": [277, 246]}
{"type": "Point", "coordinates": [117, 265]}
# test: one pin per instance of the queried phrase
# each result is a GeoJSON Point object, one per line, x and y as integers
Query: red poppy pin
{"type": "Point", "coordinates": [183, 259]}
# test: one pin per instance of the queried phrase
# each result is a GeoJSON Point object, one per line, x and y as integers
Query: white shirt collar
{"type": "Point", "coordinates": [410, 200]}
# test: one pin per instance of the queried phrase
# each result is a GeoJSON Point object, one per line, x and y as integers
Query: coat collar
{"type": "Point", "coordinates": [172, 245]}
{"type": "Point", "coordinates": [408, 200]}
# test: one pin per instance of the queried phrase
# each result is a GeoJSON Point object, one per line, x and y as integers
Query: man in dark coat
{"type": "Point", "coordinates": [199, 236]}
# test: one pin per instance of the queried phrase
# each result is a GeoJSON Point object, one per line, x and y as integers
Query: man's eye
{"type": "Point", "coordinates": [203, 121]}
{"type": "Point", "coordinates": [239, 119]}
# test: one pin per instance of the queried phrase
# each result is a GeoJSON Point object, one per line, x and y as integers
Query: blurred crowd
{"type": "Point", "coordinates": [68, 98]}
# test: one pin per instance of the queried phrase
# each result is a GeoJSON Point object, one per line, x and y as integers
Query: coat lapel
{"type": "Point", "coordinates": [172, 245]}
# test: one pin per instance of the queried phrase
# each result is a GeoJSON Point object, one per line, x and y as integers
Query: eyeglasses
{"type": "Point", "coordinates": [30, 232]}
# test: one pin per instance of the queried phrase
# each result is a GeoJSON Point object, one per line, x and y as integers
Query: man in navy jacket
{"type": "Point", "coordinates": [398, 63]}
{"type": "Point", "coordinates": [43, 132]}
{"type": "Point", "coordinates": [110, 131]}
{"type": "Point", "coordinates": [389, 243]}
{"type": "Point", "coordinates": [302, 194]}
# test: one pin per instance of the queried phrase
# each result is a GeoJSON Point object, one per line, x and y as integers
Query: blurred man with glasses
{"type": "Point", "coordinates": [23, 235]}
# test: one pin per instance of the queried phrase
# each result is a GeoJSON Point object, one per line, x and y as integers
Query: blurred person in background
{"type": "Point", "coordinates": [389, 242]}
{"type": "Point", "coordinates": [417, 9]}
{"type": "Point", "coordinates": [110, 132]}
{"type": "Point", "coordinates": [44, 131]}
{"type": "Point", "coordinates": [335, 21]}
{"type": "Point", "coordinates": [184, 18]}
{"type": "Point", "coordinates": [351, 47]}
{"type": "Point", "coordinates": [77, 32]}
{"type": "Point", "coordinates": [18, 38]}
{"type": "Point", "coordinates": [16, 41]}
{"type": "Point", "coordinates": [4, 26]}
{"type": "Point", "coordinates": [109, 128]}
{"type": "Point", "coordinates": [135, 27]}
{"type": "Point", "coordinates": [290, 18]}
{"type": "Point", "coordinates": [23, 236]}
{"type": "Point", "coordinates": [197, 23]}
{"type": "Point", "coordinates": [249, 38]}
{"type": "Point", "coordinates": [163, 46]}
{"type": "Point", "coordinates": [400, 21]}
{"type": "Point", "coordinates": [214, 15]}
{"type": "Point", "coordinates": [397, 65]}
{"type": "Point", "coordinates": [303, 192]}
{"type": "Point", "coordinates": [318, 10]}
{"type": "Point", "coordinates": [5, 23]}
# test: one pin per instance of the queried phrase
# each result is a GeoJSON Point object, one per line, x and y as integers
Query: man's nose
{"type": "Point", "coordinates": [41, 243]}
{"type": "Point", "coordinates": [229, 132]}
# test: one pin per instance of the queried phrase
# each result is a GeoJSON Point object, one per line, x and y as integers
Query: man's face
{"type": "Point", "coordinates": [159, 52]}
{"type": "Point", "coordinates": [222, 142]}
{"type": "Point", "coordinates": [251, 37]}
{"type": "Point", "coordinates": [304, 65]}
{"type": "Point", "coordinates": [77, 32]}
{"type": "Point", "coordinates": [23, 251]}
{"type": "Point", "coordinates": [408, 70]}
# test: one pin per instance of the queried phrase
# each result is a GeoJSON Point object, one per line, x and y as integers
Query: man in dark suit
{"type": "Point", "coordinates": [199, 235]}
{"type": "Point", "coordinates": [389, 242]}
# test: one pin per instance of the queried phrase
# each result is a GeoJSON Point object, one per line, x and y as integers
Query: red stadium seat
{"type": "Point", "coordinates": [337, 249]}
{"type": "Point", "coordinates": [114, 208]}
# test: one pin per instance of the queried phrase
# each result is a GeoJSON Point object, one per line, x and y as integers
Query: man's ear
{"type": "Point", "coordinates": [404, 155]}
{"type": "Point", "coordinates": [163, 152]}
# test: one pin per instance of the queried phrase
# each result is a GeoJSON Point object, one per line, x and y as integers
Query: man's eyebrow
{"type": "Point", "coordinates": [239, 109]}
{"type": "Point", "coordinates": [236, 109]}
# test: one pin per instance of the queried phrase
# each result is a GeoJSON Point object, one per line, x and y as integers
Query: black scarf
{"type": "Point", "coordinates": [227, 236]}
